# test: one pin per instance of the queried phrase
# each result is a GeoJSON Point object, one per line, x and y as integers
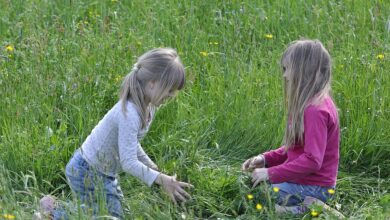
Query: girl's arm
{"type": "Point", "coordinates": [128, 126]}
{"type": "Point", "coordinates": [310, 161]}
{"type": "Point", "coordinates": [275, 157]}
{"type": "Point", "coordinates": [145, 159]}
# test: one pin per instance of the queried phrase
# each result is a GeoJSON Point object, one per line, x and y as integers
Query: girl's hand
{"type": "Point", "coordinates": [254, 162]}
{"type": "Point", "coordinates": [174, 188]}
{"type": "Point", "coordinates": [259, 174]}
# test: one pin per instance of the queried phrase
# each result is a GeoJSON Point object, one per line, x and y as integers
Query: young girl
{"type": "Point", "coordinates": [114, 144]}
{"type": "Point", "coordinates": [305, 168]}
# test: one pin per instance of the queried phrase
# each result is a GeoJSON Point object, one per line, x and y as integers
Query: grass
{"type": "Point", "coordinates": [69, 57]}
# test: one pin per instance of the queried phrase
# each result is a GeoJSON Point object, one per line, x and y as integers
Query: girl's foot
{"type": "Point", "coordinates": [46, 207]}
{"type": "Point", "coordinates": [47, 204]}
{"type": "Point", "coordinates": [308, 201]}
{"type": "Point", "coordinates": [296, 210]}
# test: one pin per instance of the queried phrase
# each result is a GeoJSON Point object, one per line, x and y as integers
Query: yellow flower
{"type": "Point", "coordinates": [268, 36]}
{"type": "Point", "coordinates": [249, 196]}
{"type": "Point", "coordinates": [118, 78]}
{"type": "Point", "coordinates": [314, 213]}
{"type": "Point", "coordinates": [380, 56]}
{"type": "Point", "coordinates": [276, 189]}
{"type": "Point", "coordinates": [203, 53]}
{"type": "Point", "coordinates": [9, 48]}
{"type": "Point", "coordinates": [331, 191]}
{"type": "Point", "coordinates": [259, 206]}
{"type": "Point", "coordinates": [8, 216]}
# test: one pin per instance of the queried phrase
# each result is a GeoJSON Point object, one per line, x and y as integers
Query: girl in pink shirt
{"type": "Point", "coordinates": [305, 167]}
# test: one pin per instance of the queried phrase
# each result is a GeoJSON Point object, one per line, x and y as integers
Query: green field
{"type": "Point", "coordinates": [62, 62]}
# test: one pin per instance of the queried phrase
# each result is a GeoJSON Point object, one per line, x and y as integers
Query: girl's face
{"type": "Point", "coordinates": [286, 73]}
{"type": "Point", "coordinates": [158, 96]}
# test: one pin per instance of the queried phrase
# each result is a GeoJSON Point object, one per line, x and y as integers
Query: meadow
{"type": "Point", "coordinates": [62, 62]}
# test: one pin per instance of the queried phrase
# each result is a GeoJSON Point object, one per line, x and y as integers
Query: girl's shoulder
{"type": "Point", "coordinates": [324, 107]}
{"type": "Point", "coordinates": [325, 103]}
{"type": "Point", "coordinates": [128, 111]}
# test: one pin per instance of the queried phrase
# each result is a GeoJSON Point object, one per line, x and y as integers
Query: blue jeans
{"type": "Point", "coordinates": [291, 194]}
{"type": "Point", "coordinates": [90, 187]}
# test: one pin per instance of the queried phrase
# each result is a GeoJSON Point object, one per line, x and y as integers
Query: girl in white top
{"type": "Point", "coordinates": [114, 144]}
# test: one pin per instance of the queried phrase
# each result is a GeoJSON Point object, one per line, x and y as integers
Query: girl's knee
{"type": "Point", "coordinates": [286, 199]}
{"type": "Point", "coordinates": [114, 207]}
{"type": "Point", "coordinates": [288, 194]}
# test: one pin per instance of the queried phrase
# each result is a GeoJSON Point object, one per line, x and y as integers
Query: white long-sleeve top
{"type": "Point", "coordinates": [113, 145]}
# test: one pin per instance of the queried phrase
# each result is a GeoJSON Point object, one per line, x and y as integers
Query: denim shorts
{"type": "Point", "coordinates": [91, 187]}
{"type": "Point", "coordinates": [291, 194]}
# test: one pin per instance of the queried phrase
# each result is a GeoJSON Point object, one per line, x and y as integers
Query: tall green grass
{"type": "Point", "coordinates": [69, 58]}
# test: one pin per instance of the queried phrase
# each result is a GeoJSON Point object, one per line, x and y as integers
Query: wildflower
{"type": "Point", "coordinates": [259, 206]}
{"type": "Point", "coordinates": [9, 48]}
{"type": "Point", "coordinates": [118, 78]}
{"type": "Point", "coordinates": [331, 191]}
{"type": "Point", "coordinates": [268, 36]}
{"type": "Point", "coordinates": [8, 216]}
{"type": "Point", "coordinates": [380, 56]}
{"type": "Point", "coordinates": [203, 53]}
{"type": "Point", "coordinates": [249, 196]}
{"type": "Point", "coordinates": [276, 189]}
{"type": "Point", "coordinates": [314, 213]}
{"type": "Point", "coordinates": [215, 43]}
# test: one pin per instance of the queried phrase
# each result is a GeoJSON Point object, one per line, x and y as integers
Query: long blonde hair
{"type": "Point", "coordinates": [161, 65]}
{"type": "Point", "coordinates": [309, 66]}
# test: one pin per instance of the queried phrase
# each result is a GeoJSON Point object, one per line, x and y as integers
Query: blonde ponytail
{"type": "Point", "coordinates": [161, 65]}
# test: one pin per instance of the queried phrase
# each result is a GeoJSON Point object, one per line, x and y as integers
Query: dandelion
{"type": "Point", "coordinates": [314, 213]}
{"type": "Point", "coordinates": [9, 48]}
{"type": "Point", "coordinates": [268, 36]}
{"type": "Point", "coordinates": [380, 56]}
{"type": "Point", "coordinates": [249, 196]}
{"type": "Point", "coordinates": [8, 216]}
{"type": "Point", "coordinates": [203, 53]}
{"type": "Point", "coordinates": [259, 206]}
{"type": "Point", "coordinates": [331, 191]}
{"type": "Point", "coordinates": [118, 78]}
{"type": "Point", "coordinates": [276, 189]}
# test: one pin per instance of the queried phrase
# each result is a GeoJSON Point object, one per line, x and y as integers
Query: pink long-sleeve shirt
{"type": "Point", "coordinates": [316, 161]}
